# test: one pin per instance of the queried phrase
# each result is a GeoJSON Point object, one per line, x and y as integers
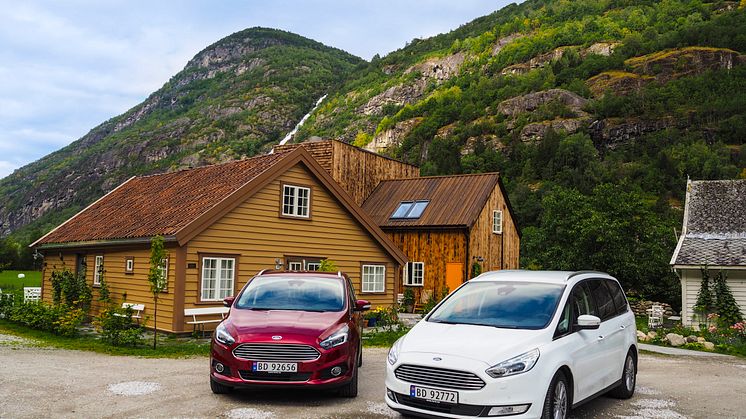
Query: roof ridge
{"type": "Point", "coordinates": [444, 176]}
{"type": "Point", "coordinates": [209, 166]}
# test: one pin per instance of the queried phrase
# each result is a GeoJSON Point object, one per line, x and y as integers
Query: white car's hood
{"type": "Point", "coordinates": [487, 344]}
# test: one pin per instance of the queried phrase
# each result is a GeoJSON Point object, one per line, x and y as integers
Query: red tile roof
{"type": "Point", "coordinates": [163, 204]}
{"type": "Point", "coordinates": [454, 201]}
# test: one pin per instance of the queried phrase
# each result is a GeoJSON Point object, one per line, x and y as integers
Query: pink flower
{"type": "Point", "coordinates": [712, 329]}
{"type": "Point", "coordinates": [712, 316]}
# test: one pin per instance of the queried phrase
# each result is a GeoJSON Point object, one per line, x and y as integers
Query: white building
{"type": "Point", "coordinates": [714, 234]}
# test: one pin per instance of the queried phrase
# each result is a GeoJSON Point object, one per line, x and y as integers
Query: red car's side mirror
{"type": "Point", "coordinates": [228, 301]}
{"type": "Point", "coordinates": [362, 305]}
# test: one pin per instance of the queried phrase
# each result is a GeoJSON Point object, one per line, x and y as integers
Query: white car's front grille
{"type": "Point", "coordinates": [280, 352]}
{"type": "Point", "coordinates": [439, 377]}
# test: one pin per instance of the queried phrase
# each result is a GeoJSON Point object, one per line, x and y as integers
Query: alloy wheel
{"type": "Point", "coordinates": [560, 400]}
{"type": "Point", "coordinates": [629, 373]}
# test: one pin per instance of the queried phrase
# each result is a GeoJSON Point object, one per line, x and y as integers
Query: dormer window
{"type": "Point", "coordinates": [410, 210]}
{"type": "Point", "coordinates": [296, 201]}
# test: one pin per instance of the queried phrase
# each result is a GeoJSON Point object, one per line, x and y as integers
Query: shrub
{"type": "Point", "coordinates": [725, 303]}
{"type": "Point", "coordinates": [58, 319]}
{"type": "Point", "coordinates": [117, 328]}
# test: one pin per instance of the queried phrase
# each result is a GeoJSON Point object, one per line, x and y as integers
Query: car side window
{"type": "Point", "coordinates": [604, 302]}
{"type": "Point", "coordinates": [620, 301]}
{"type": "Point", "coordinates": [563, 327]}
{"type": "Point", "coordinates": [582, 302]}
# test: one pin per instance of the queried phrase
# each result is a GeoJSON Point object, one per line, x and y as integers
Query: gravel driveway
{"type": "Point", "coordinates": [40, 382]}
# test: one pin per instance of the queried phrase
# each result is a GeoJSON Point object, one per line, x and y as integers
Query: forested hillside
{"type": "Point", "coordinates": [595, 113]}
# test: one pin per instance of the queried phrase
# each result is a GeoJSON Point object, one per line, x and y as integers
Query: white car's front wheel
{"type": "Point", "coordinates": [557, 400]}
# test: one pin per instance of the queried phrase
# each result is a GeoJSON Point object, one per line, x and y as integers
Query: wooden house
{"type": "Point", "coordinates": [713, 235]}
{"type": "Point", "coordinates": [221, 225]}
{"type": "Point", "coordinates": [446, 226]}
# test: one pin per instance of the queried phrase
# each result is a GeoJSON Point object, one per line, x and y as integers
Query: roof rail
{"type": "Point", "coordinates": [339, 274]}
{"type": "Point", "coordinates": [263, 271]}
{"type": "Point", "coordinates": [582, 273]}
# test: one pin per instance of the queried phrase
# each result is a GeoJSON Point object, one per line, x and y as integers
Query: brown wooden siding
{"type": "Point", "coordinates": [435, 248]}
{"type": "Point", "coordinates": [358, 171]}
{"type": "Point", "coordinates": [498, 251]}
{"type": "Point", "coordinates": [135, 285]}
{"type": "Point", "coordinates": [256, 233]}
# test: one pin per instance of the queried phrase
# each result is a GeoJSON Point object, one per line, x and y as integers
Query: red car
{"type": "Point", "coordinates": [296, 329]}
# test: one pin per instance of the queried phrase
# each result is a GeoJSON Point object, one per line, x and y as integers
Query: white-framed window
{"type": "Point", "coordinates": [313, 266]}
{"type": "Point", "coordinates": [374, 278]}
{"type": "Point", "coordinates": [98, 270]}
{"type": "Point", "coordinates": [129, 264]}
{"type": "Point", "coordinates": [414, 274]}
{"type": "Point", "coordinates": [296, 201]}
{"type": "Point", "coordinates": [295, 266]}
{"type": "Point", "coordinates": [217, 278]}
{"type": "Point", "coordinates": [164, 272]}
{"type": "Point", "coordinates": [497, 222]}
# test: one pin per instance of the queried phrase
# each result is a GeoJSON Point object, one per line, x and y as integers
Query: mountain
{"type": "Point", "coordinates": [594, 111]}
{"type": "Point", "coordinates": [235, 98]}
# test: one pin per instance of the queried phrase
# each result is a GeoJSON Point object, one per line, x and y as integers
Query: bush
{"type": "Point", "coordinates": [58, 319]}
{"type": "Point", "coordinates": [117, 328]}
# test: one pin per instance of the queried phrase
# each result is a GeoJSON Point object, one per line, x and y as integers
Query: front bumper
{"type": "Point", "coordinates": [523, 389]}
{"type": "Point", "coordinates": [311, 374]}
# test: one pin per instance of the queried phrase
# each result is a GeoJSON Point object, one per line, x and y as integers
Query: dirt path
{"type": "Point", "coordinates": [37, 382]}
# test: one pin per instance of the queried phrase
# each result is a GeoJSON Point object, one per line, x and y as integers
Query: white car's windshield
{"type": "Point", "coordinates": [293, 293]}
{"type": "Point", "coordinates": [513, 305]}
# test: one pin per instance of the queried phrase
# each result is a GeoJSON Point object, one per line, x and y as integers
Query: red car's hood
{"type": "Point", "coordinates": [301, 326]}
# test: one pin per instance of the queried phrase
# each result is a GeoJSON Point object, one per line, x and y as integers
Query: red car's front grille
{"type": "Point", "coordinates": [279, 352]}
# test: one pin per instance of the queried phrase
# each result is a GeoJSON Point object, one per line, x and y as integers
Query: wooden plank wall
{"type": "Point", "coordinates": [257, 235]}
{"type": "Point", "coordinates": [435, 248]}
{"type": "Point", "coordinates": [499, 251]}
{"type": "Point", "coordinates": [359, 171]}
{"type": "Point", "coordinates": [135, 285]}
{"type": "Point", "coordinates": [691, 280]}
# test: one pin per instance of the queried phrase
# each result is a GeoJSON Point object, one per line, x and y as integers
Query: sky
{"type": "Point", "coordinates": [67, 66]}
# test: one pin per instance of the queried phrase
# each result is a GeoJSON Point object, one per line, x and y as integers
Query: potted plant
{"type": "Point", "coordinates": [371, 318]}
{"type": "Point", "coordinates": [408, 300]}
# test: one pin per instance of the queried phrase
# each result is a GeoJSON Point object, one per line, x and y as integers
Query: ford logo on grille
{"type": "Point", "coordinates": [276, 337]}
{"type": "Point", "coordinates": [437, 358]}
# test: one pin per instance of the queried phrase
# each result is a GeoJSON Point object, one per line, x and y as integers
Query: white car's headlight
{"type": "Point", "coordinates": [337, 338]}
{"type": "Point", "coordinates": [223, 336]}
{"type": "Point", "coordinates": [516, 365]}
{"type": "Point", "coordinates": [394, 351]}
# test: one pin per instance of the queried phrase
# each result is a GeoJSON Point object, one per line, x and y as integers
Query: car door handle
{"type": "Point", "coordinates": [622, 327]}
{"type": "Point", "coordinates": [600, 337]}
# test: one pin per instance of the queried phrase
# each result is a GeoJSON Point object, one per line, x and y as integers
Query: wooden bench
{"type": "Point", "coordinates": [137, 310]}
{"type": "Point", "coordinates": [199, 325]}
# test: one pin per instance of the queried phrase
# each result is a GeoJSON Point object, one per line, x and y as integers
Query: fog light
{"type": "Point", "coordinates": [390, 394]}
{"type": "Point", "coordinates": [219, 367]}
{"type": "Point", "coordinates": [336, 371]}
{"type": "Point", "coordinates": [515, 409]}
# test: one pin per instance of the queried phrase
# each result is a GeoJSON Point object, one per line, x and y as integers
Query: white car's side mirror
{"type": "Point", "coordinates": [587, 322]}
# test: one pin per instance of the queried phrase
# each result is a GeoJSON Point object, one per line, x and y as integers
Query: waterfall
{"type": "Point", "coordinates": [300, 123]}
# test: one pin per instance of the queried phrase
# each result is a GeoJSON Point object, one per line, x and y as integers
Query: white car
{"type": "Point", "coordinates": [527, 344]}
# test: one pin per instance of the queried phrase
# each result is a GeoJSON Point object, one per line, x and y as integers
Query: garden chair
{"type": "Point", "coordinates": [424, 296]}
{"type": "Point", "coordinates": [31, 294]}
{"type": "Point", "coordinates": [655, 316]}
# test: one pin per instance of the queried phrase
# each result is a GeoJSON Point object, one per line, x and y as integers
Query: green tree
{"type": "Point", "coordinates": [156, 279]}
{"type": "Point", "coordinates": [725, 303]}
{"type": "Point", "coordinates": [327, 265]}
{"type": "Point", "coordinates": [705, 301]}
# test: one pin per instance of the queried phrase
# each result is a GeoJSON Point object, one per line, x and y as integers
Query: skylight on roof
{"type": "Point", "coordinates": [410, 209]}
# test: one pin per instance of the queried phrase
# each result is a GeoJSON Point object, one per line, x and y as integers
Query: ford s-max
{"type": "Point", "coordinates": [525, 344]}
{"type": "Point", "coordinates": [298, 329]}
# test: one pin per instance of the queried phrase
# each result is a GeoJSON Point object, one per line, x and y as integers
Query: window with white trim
{"type": "Point", "coordinates": [129, 264]}
{"type": "Point", "coordinates": [414, 274]}
{"type": "Point", "coordinates": [295, 266]}
{"type": "Point", "coordinates": [374, 278]}
{"type": "Point", "coordinates": [296, 201]}
{"type": "Point", "coordinates": [98, 270]}
{"type": "Point", "coordinates": [497, 222]}
{"type": "Point", "coordinates": [217, 278]}
{"type": "Point", "coordinates": [313, 266]}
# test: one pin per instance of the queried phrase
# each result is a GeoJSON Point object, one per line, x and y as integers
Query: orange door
{"type": "Point", "coordinates": [454, 275]}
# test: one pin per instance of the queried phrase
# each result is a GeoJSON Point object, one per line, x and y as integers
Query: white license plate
{"type": "Point", "coordinates": [275, 367]}
{"type": "Point", "coordinates": [433, 395]}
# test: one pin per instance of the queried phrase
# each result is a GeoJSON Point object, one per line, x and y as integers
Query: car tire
{"type": "Point", "coordinates": [350, 389]}
{"type": "Point", "coordinates": [557, 400]}
{"type": "Point", "coordinates": [218, 388]}
{"type": "Point", "coordinates": [626, 388]}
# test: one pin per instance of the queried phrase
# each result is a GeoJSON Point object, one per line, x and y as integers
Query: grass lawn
{"type": "Point", "coordinates": [168, 345]}
{"type": "Point", "coordinates": [9, 280]}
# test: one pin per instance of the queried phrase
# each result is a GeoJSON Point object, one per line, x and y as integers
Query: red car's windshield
{"type": "Point", "coordinates": [293, 293]}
